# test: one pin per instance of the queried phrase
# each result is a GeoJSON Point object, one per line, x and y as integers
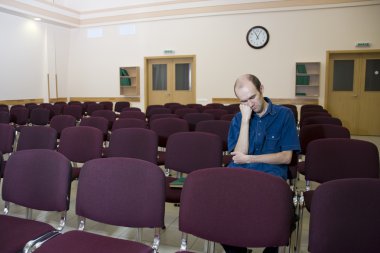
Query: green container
{"type": "Point", "coordinates": [302, 80]}
{"type": "Point", "coordinates": [301, 68]}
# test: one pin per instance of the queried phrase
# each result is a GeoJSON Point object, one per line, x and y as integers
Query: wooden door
{"type": "Point", "coordinates": [353, 90]}
{"type": "Point", "coordinates": [170, 79]}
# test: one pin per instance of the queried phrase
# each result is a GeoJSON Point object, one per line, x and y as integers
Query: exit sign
{"type": "Point", "coordinates": [363, 44]}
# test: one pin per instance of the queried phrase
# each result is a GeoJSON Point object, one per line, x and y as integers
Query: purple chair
{"type": "Point", "coordinates": [232, 108]}
{"type": "Point", "coordinates": [311, 108]}
{"type": "Point", "coordinates": [37, 137]}
{"type": "Point", "coordinates": [50, 107]}
{"type": "Point", "coordinates": [187, 152]}
{"type": "Point", "coordinates": [132, 114]}
{"type": "Point", "coordinates": [336, 158]}
{"type": "Point", "coordinates": [118, 191]}
{"type": "Point", "coordinates": [94, 107]}
{"type": "Point", "coordinates": [97, 122]}
{"type": "Point", "coordinates": [4, 117]}
{"type": "Point", "coordinates": [74, 110]}
{"type": "Point", "coordinates": [120, 105]}
{"type": "Point", "coordinates": [322, 120]}
{"type": "Point", "coordinates": [133, 143]}
{"type": "Point", "coordinates": [150, 107]}
{"type": "Point", "coordinates": [39, 116]}
{"type": "Point", "coordinates": [227, 117]}
{"type": "Point", "coordinates": [163, 115]}
{"type": "Point", "coordinates": [221, 129]}
{"type": "Point", "coordinates": [238, 207]}
{"type": "Point", "coordinates": [128, 123]}
{"type": "Point", "coordinates": [218, 113]}
{"type": "Point", "coordinates": [7, 137]}
{"type": "Point", "coordinates": [307, 115]}
{"type": "Point", "coordinates": [60, 122]}
{"type": "Point", "coordinates": [36, 179]}
{"type": "Point", "coordinates": [109, 115]}
{"type": "Point", "coordinates": [107, 105]}
{"type": "Point", "coordinates": [181, 112]}
{"type": "Point", "coordinates": [19, 115]}
{"type": "Point", "coordinates": [198, 107]}
{"type": "Point", "coordinates": [131, 109]}
{"type": "Point", "coordinates": [345, 217]}
{"type": "Point", "coordinates": [81, 144]}
{"type": "Point", "coordinates": [195, 117]}
{"type": "Point", "coordinates": [58, 108]}
{"type": "Point", "coordinates": [214, 106]}
{"type": "Point", "coordinates": [159, 110]}
{"type": "Point", "coordinates": [4, 108]}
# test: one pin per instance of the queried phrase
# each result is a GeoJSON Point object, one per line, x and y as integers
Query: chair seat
{"type": "Point", "coordinates": [173, 195]}
{"type": "Point", "coordinates": [17, 232]}
{"type": "Point", "coordinates": [308, 196]}
{"type": "Point", "coordinates": [82, 242]}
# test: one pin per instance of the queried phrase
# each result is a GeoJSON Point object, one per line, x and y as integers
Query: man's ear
{"type": "Point", "coordinates": [261, 89]}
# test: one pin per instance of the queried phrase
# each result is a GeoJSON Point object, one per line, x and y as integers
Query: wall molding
{"type": "Point", "coordinates": [100, 99]}
{"type": "Point", "coordinates": [293, 101]}
{"type": "Point", "coordinates": [22, 101]}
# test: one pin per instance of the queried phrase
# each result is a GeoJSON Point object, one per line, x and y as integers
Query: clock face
{"type": "Point", "coordinates": [257, 37]}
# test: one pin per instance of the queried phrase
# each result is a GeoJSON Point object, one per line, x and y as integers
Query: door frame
{"type": "Point", "coordinates": [146, 72]}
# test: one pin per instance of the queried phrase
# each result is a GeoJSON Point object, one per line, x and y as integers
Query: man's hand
{"type": "Point", "coordinates": [246, 112]}
{"type": "Point", "coordinates": [240, 158]}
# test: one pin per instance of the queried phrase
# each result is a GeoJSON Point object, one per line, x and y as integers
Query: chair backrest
{"type": "Point", "coordinates": [39, 116]}
{"type": "Point", "coordinates": [195, 117]}
{"type": "Point", "coordinates": [19, 115]}
{"type": "Point", "coordinates": [228, 117]}
{"type": "Point", "coordinates": [319, 131]}
{"type": "Point", "coordinates": [214, 106]}
{"type": "Point", "coordinates": [131, 109]}
{"type": "Point", "coordinates": [94, 107]}
{"type": "Point", "coordinates": [218, 127]}
{"type": "Point", "coordinates": [134, 143]}
{"type": "Point", "coordinates": [218, 113]}
{"type": "Point", "coordinates": [60, 122]}
{"type": "Point", "coordinates": [109, 115]}
{"type": "Point", "coordinates": [7, 135]}
{"type": "Point", "coordinates": [307, 115]}
{"type": "Point", "coordinates": [4, 117]}
{"type": "Point", "coordinates": [97, 122]}
{"type": "Point", "coordinates": [129, 122]}
{"type": "Point", "coordinates": [120, 105]}
{"type": "Point", "coordinates": [133, 114]}
{"type": "Point", "coordinates": [122, 191]}
{"type": "Point", "coordinates": [189, 151]}
{"type": "Point", "coordinates": [81, 143]}
{"type": "Point", "coordinates": [167, 126]}
{"type": "Point", "coordinates": [159, 110]}
{"type": "Point", "coordinates": [232, 108]}
{"type": "Point", "coordinates": [163, 115]}
{"type": "Point", "coordinates": [151, 107]}
{"type": "Point", "coordinates": [313, 108]}
{"type": "Point", "coordinates": [181, 112]}
{"type": "Point", "coordinates": [37, 137]}
{"type": "Point", "coordinates": [38, 179]}
{"type": "Point", "coordinates": [322, 120]}
{"type": "Point", "coordinates": [198, 107]}
{"type": "Point", "coordinates": [337, 158]}
{"type": "Point", "coordinates": [74, 110]}
{"type": "Point", "coordinates": [107, 105]}
{"type": "Point", "coordinates": [256, 206]}
{"type": "Point", "coordinates": [4, 108]}
{"type": "Point", "coordinates": [344, 217]}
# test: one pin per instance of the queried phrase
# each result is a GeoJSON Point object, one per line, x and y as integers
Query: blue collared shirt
{"type": "Point", "coordinates": [273, 132]}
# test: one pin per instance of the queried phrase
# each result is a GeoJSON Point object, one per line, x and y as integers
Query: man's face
{"type": "Point", "coordinates": [249, 95]}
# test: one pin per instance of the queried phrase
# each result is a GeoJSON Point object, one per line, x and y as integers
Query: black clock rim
{"type": "Point", "coordinates": [254, 27]}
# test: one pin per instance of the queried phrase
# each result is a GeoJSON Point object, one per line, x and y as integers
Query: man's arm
{"type": "Point", "coordinates": [283, 157]}
{"type": "Point", "coordinates": [243, 140]}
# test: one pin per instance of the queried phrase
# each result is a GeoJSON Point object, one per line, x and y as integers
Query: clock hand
{"type": "Point", "coordinates": [257, 36]}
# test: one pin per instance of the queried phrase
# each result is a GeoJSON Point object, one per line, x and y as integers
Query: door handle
{"type": "Point", "coordinates": [355, 95]}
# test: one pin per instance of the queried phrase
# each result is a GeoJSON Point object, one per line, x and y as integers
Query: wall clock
{"type": "Point", "coordinates": [257, 37]}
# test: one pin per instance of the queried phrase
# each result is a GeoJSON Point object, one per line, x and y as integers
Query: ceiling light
{"type": "Point", "coordinates": [37, 19]}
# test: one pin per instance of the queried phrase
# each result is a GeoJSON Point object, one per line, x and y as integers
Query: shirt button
{"type": "Point", "coordinates": [259, 134]}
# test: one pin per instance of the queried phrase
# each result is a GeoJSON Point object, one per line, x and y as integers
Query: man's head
{"type": "Point", "coordinates": [249, 91]}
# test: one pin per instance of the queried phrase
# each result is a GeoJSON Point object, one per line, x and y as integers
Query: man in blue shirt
{"type": "Point", "coordinates": [262, 135]}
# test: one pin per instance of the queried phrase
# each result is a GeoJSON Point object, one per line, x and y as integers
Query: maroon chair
{"type": "Point", "coordinates": [118, 191]}
{"type": "Point", "coordinates": [58, 108]}
{"type": "Point", "coordinates": [107, 105]}
{"type": "Point", "coordinates": [307, 115]}
{"type": "Point", "coordinates": [131, 109]}
{"type": "Point", "coordinates": [50, 107]}
{"type": "Point", "coordinates": [227, 117]}
{"type": "Point", "coordinates": [39, 116]}
{"type": "Point", "coordinates": [311, 108]}
{"type": "Point", "coordinates": [198, 107]}
{"type": "Point", "coordinates": [4, 117]}
{"type": "Point", "coordinates": [322, 120]}
{"type": "Point", "coordinates": [74, 110]}
{"type": "Point", "coordinates": [81, 144]}
{"type": "Point", "coordinates": [214, 106]}
{"type": "Point", "coordinates": [4, 108]}
{"type": "Point", "coordinates": [97, 122]}
{"type": "Point", "coordinates": [35, 179]}
{"type": "Point", "coordinates": [94, 107]}
{"type": "Point", "coordinates": [232, 108]}
{"type": "Point", "coordinates": [128, 123]}
{"type": "Point", "coordinates": [238, 207]}
{"type": "Point", "coordinates": [218, 113]}
{"type": "Point", "coordinates": [7, 137]}
{"type": "Point", "coordinates": [221, 129]}
{"type": "Point", "coordinates": [337, 158]}
{"type": "Point", "coordinates": [109, 115]}
{"type": "Point", "coordinates": [19, 115]}
{"type": "Point", "coordinates": [181, 112]}
{"type": "Point", "coordinates": [150, 107]}
{"type": "Point", "coordinates": [187, 152]}
{"type": "Point", "coordinates": [345, 217]}
{"type": "Point", "coordinates": [120, 105]}
{"type": "Point", "coordinates": [137, 143]}
{"type": "Point", "coordinates": [60, 122]}
{"type": "Point", "coordinates": [193, 118]}
{"type": "Point", "coordinates": [159, 110]}
{"type": "Point", "coordinates": [163, 115]}
{"type": "Point", "coordinates": [133, 114]}
{"type": "Point", "coordinates": [37, 137]}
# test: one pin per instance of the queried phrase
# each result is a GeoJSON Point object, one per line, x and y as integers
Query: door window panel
{"type": "Point", "coordinates": [183, 76]}
{"type": "Point", "coordinates": [343, 75]}
{"type": "Point", "coordinates": [160, 78]}
{"type": "Point", "coordinates": [372, 75]}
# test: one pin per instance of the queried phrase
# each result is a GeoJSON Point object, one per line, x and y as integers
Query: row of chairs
{"type": "Point", "coordinates": [129, 192]}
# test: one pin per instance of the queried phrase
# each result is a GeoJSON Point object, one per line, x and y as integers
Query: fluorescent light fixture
{"type": "Point", "coordinates": [37, 19]}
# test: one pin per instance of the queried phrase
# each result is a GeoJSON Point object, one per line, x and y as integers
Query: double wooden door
{"type": "Point", "coordinates": [353, 90]}
{"type": "Point", "coordinates": [170, 79]}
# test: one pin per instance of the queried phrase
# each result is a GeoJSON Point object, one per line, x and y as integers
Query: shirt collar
{"type": "Point", "coordinates": [270, 110]}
